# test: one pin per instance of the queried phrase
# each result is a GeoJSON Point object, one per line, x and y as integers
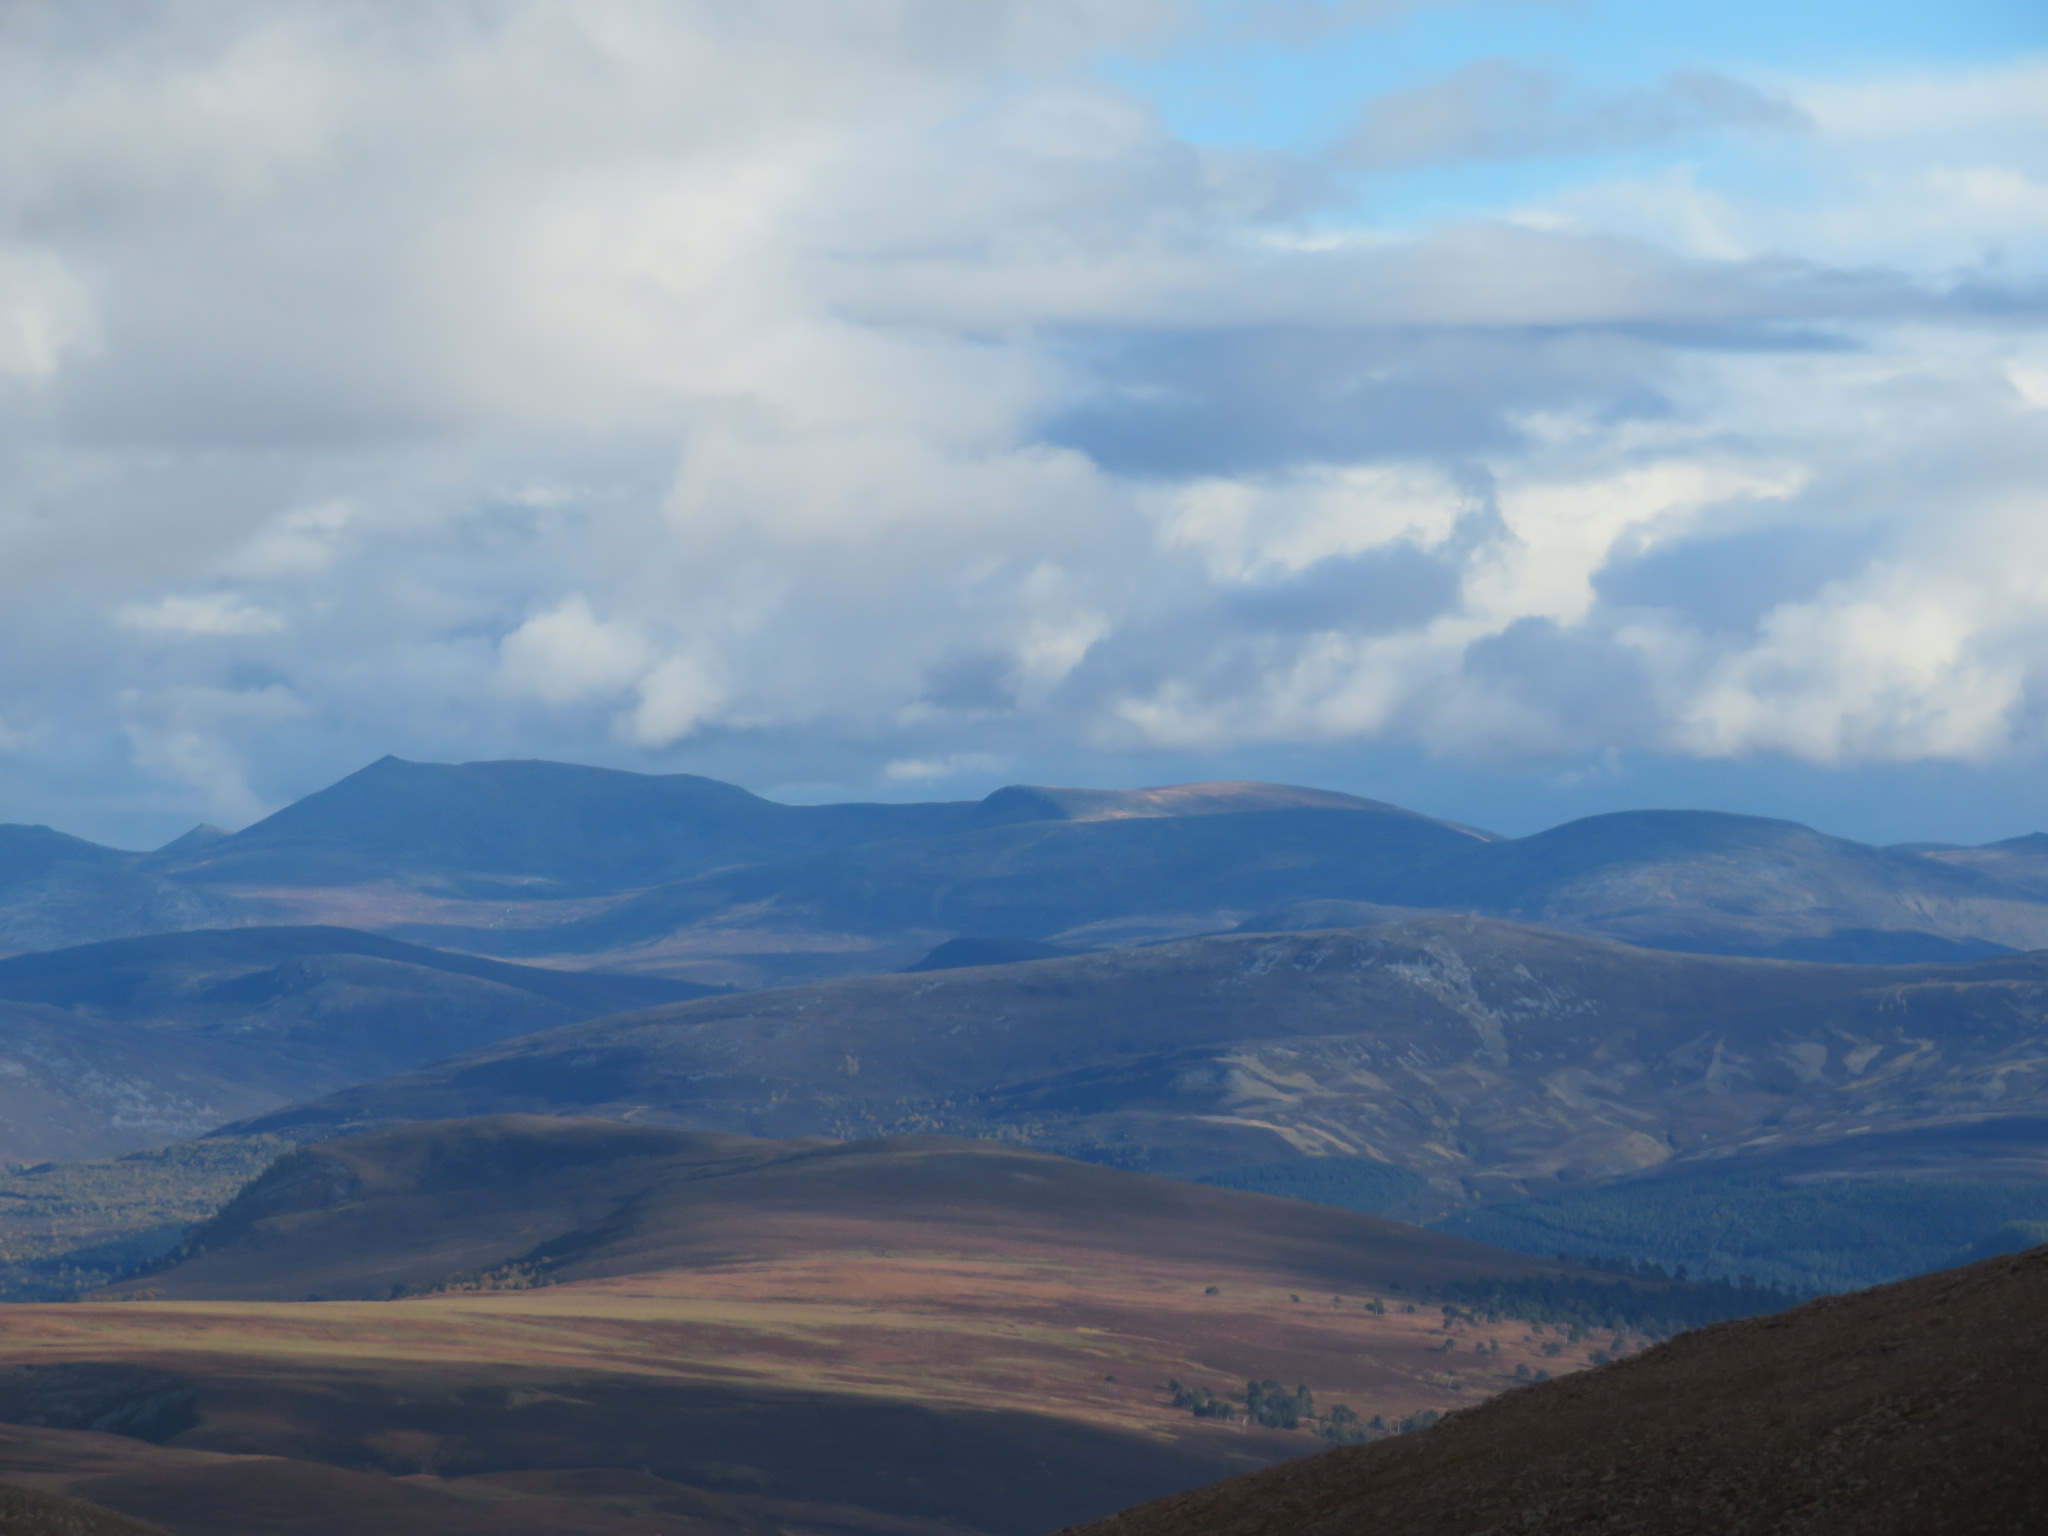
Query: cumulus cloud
{"type": "Point", "coordinates": [626, 379]}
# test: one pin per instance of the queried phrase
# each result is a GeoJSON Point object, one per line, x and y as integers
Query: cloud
{"type": "Point", "coordinates": [1502, 109]}
{"type": "Point", "coordinates": [919, 770]}
{"type": "Point", "coordinates": [218, 613]}
{"type": "Point", "coordinates": [859, 383]}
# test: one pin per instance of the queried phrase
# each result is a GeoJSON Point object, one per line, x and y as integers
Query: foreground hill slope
{"type": "Point", "coordinates": [1485, 1056]}
{"type": "Point", "coordinates": [1910, 1410]}
{"type": "Point", "coordinates": [131, 1043]}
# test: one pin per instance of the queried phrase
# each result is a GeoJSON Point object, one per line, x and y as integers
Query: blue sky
{"type": "Point", "coordinates": [1516, 410]}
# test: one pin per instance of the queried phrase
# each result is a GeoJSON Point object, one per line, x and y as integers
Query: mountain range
{"type": "Point", "coordinates": [1492, 1059]}
{"type": "Point", "coordinates": [689, 877]}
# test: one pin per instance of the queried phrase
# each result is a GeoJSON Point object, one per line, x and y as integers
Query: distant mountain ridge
{"type": "Point", "coordinates": [687, 876]}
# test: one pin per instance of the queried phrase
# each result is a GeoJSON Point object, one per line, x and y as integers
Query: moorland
{"type": "Point", "coordinates": [510, 1147]}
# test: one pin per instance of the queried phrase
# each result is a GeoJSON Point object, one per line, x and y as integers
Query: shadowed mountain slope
{"type": "Point", "coordinates": [1110, 879]}
{"type": "Point", "coordinates": [1911, 1410]}
{"type": "Point", "coordinates": [57, 890]}
{"type": "Point", "coordinates": [160, 976]}
{"type": "Point", "coordinates": [1486, 1056]}
{"type": "Point", "coordinates": [131, 1043]}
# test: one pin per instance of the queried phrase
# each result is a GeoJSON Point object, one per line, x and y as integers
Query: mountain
{"type": "Point", "coordinates": [686, 876]}
{"type": "Point", "coordinates": [1490, 1058]}
{"type": "Point", "coordinates": [618, 1328]}
{"type": "Point", "coordinates": [1912, 1410]}
{"type": "Point", "coordinates": [57, 890]}
{"type": "Point", "coordinates": [130, 1043]}
{"type": "Point", "coordinates": [1720, 884]}
{"type": "Point", "coordinates": [532, 829]}
{"type": "Point", "coordinates": [1074, 883]}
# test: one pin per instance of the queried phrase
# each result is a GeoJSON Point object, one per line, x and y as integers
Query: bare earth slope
{"type": "Point", "coordinates": [1482, 1055]}
{"type": "Point", "coordinates": [1910, 1410]}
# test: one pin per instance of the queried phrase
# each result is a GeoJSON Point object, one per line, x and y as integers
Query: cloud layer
{"type": "Point", "coordinates": [612, 379]}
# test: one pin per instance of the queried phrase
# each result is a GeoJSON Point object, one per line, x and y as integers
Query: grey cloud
{"type": "Point", "coordinates": [1377, 593]}
{"type": "Point", "coordinates": [1730, 581]}
{"type": "Point", "coordinates": [1260, 398]}
{"type": "Point", "coordinates": [1500, 109]}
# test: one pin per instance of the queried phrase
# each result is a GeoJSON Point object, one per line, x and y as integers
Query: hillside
{"type": "Point", "coordinates": [131, 1043]}
{"type": "Point", "coordinates": [1490, 1058]}
{"type": "Point", "coordinates": [1834, 1213]}
{"type": "Point", "coordinates": [57, 890]}
{"type": "Point", "coordinates": [911, 1337]}
{"type": "Point", "coordinates": [1720, 884]}
{"type": "Point", "coordinates": [686, 876]}
{"type": "Point", "coordinates": [1912, 1410]}
{"type": "Point", "coordinates": [403, 1208]}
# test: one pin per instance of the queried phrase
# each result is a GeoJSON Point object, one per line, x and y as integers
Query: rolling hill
{"type": "Point", "coordinates": [1490, 1058]}
{"type": "Point", "coordinates": [1912, 1410]}
{"type": "Point", "coordinates": [127, 1044]}
{"type": "Point", "coordinates": [602, 1322]}
{"type": "Point", "coordinates": [366, 1217]}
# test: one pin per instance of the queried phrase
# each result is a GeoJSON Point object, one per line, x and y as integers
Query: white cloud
{"type": "Point", "coordinates": [45, 315]}
{"type": "Point", "coordinates": [676, 698]}
{"type": "Point", "coordinates": [871, 378]}
{"type": "Point", "coordinates": [921, 770]}
{"type": "Point", "coordinates": [567, 655]}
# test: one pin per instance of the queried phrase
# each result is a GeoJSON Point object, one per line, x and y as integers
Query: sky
{"type": "Point", "coordinates": [1516, 410]}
